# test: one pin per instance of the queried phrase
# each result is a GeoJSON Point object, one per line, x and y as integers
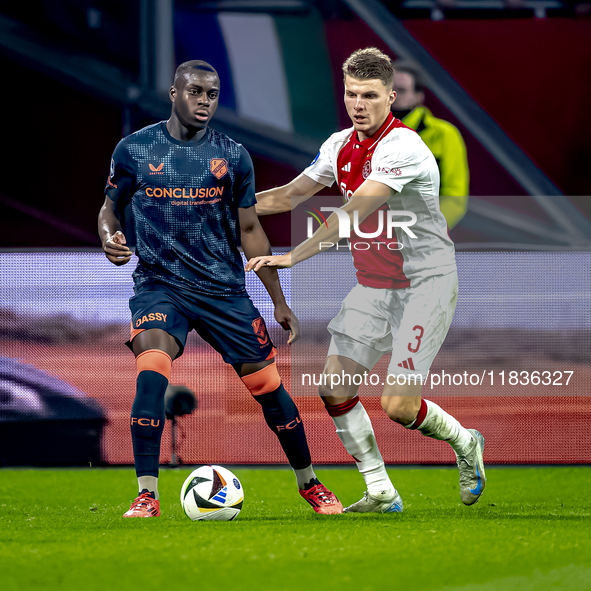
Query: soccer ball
{"type": "Point", "coordinates": [212, 493]}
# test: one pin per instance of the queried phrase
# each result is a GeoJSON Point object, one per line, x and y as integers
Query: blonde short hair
{"type": "Point", "coordinates": [368, 64]}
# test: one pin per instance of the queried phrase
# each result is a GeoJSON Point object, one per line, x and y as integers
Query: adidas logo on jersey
{"type": "Point", "coordinates": [407, 364]}
{"type": "Point", "coordinates": [347, 167]}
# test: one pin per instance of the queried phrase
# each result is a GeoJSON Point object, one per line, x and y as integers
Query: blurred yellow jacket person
{"type": "Point", "coordinates": [441, 137]}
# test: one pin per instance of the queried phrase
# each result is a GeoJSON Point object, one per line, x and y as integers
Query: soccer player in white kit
{"type": "Point", "coordinates": [407, 282]}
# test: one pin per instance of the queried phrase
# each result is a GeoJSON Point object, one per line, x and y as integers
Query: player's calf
{"type": "Point", "coordinates": [283, 418]}
{"type": "Point", "coordinates": [468, 445]}
{"type": "Point", "coordinates": [402, 405]}
{"type": "Point", "coordinates": [147, 417]}
{"type": "Point", "coordinates": [281, 414]}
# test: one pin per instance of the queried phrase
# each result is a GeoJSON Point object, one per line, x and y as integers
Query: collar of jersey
{"type": "Point", "coordinates": [179, 142]}
{"type": "Point", "coordinates": [375, 138]}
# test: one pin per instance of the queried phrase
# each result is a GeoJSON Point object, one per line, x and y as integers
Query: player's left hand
{"type": "Point", "coordinates": [288, 321]}
{"type": "Point", "coordinates": [280, 261]}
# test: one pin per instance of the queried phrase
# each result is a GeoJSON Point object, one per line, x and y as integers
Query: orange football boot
{"type": "Point", "coordinates": [322, 500]}
{"type": "Point", "coordinates": [144, 506]}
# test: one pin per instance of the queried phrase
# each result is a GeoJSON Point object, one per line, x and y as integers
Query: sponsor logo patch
{"type": "Point", "coordinates": [185, 192]}
{"type": "Point", "coordinates": [394, 171]}
{"type": "Point", "coordinates": [151, 317]}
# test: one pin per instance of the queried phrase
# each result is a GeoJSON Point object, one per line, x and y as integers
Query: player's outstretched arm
{"type": "Point", "coordinates": [111, 235]}
{"type": "Point", "coordinates": [287, 197]}
{"type": "Point", "coordinates": [370, 196]}
{"type": "Point", "coordinates": [255, 243]}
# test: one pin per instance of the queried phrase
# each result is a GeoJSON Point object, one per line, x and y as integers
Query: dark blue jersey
{"type": "Point", "coordinates": [185, 198]}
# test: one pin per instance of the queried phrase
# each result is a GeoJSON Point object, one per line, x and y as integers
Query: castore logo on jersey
{"type": "Point", "coordinates": [156, 169]}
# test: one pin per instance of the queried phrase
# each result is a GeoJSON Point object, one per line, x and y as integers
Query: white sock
{"type": "Point", "coordinates": [442, 426]}
{"type": "Point", "coordinates": [150, 483]}
{"type": "Point", "coordinates": [355, 431]}
{"type": "Point", "coordinates": [304, 476]}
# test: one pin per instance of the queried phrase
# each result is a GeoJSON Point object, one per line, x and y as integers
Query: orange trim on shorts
{"type": "Point", "coordinates": [263, 381]}
{"type": "Point", "coordinates": [154, 360]}
{"type": "Point", "coordinates": [133, 332]}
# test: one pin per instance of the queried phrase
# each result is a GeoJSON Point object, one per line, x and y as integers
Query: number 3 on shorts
{"type": "Point", "coordinates": [418, 338]}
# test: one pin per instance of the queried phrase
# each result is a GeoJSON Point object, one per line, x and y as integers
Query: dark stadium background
{"type": "Point", "coordinates": [79, 75]}
{"type": "Point", "coordinates": [529, 74]}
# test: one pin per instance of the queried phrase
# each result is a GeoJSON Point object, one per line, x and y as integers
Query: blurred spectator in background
{"type": "Point", "coordinates": [441, 137]}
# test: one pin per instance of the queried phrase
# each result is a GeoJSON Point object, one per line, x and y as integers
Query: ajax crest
{"type": "Point", "coordinates": [366, 169]}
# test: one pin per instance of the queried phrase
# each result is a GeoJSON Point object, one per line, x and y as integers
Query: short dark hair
{"type": "Point", "coordinates": [411, 70]}
{"type": "Point", "coordinates": [194, 65]}
{"type": "Point", "coordinates": [368, 64]}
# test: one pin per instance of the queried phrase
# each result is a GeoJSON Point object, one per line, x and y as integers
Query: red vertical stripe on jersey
{"type": "Point", "coordinates": [377, 265]}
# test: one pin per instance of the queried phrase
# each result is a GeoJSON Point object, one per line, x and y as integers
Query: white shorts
{"type": "Point", "coordinates": [411, 323]}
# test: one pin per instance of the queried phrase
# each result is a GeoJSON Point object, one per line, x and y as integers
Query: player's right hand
{"type": "Point", "coordinates": [115, 249]}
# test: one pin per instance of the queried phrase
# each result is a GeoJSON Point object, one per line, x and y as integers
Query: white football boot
{"type": "Point", "coordinates": [386, 501]}
{"type": "Point", "coordinates": [471, 465]}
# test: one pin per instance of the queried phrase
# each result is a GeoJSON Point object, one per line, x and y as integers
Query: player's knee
{"type": "Point", "coordinates": [332, 390]}
{"type": "Point", "coordinates": [401, 410]}
{"type": "Point", "coordinates": [154, 360]}
{"type": "Point", "coordinates": [155, 338]}
{"type": "Point", "coordinates": [326, 393]}
{"type": "Point", "coordinates": [263, 381]}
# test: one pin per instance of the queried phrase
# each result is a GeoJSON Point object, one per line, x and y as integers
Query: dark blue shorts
{"type": "Point", "coordinates": [231, 324]}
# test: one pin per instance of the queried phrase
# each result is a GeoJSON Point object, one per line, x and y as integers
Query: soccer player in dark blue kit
{"type": "Point", "coordinates": [191, 191]}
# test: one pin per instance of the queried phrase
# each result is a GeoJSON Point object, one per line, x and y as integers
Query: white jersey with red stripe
{"type": "Point", "coordinates": [397, 157]}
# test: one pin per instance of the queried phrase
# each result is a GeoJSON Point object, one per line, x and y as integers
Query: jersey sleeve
{"type": "Point", "coordinates": [390, 167]}
{"type": "Point", "coordinates": [321, 169]}
{"type": "Point", "coordinates": [122, 176]}
{"type": "Point", "coordinates": [244, 183]}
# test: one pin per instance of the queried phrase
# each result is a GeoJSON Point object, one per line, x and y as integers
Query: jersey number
{"type": "Point", "coordinates": [418, 338]}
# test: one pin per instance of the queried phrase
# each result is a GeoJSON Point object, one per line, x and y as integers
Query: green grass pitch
{"type": "Point", "coordinates": [531, 531]}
